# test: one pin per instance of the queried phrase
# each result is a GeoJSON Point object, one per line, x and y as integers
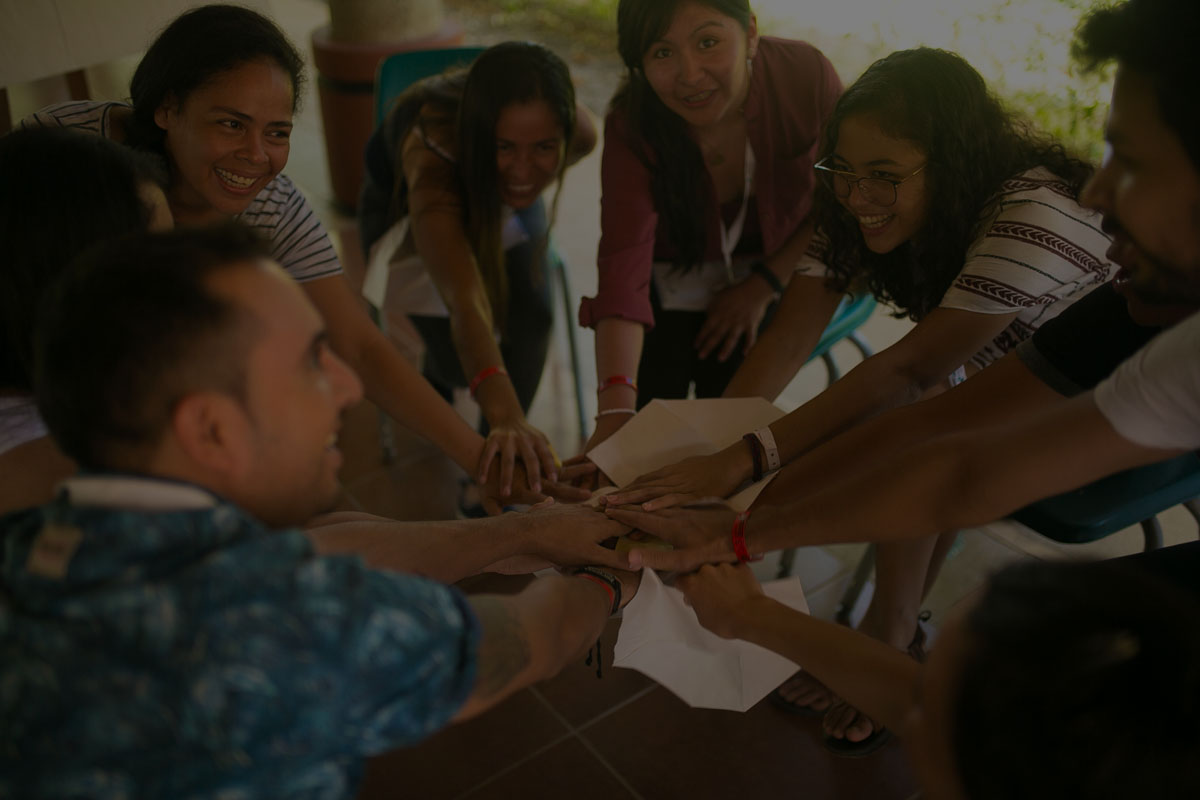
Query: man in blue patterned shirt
{"type": "Point", "coordinates": [165, 631]}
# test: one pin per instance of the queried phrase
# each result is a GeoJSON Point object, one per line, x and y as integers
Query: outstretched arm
{"type": "Point", "coordinates": [533, 635]}
{"type": "Point", "coordinates": [451, 550]}
{"type": "Point", "coordinates": [872, 676]}
{"type": "Point", "coordinates": [955, 481]}
{"type": "Point", "coordinates": [899, 375]}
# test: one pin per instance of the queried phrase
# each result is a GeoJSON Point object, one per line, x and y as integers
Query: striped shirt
{"type": "Point", "coordinates": [279, 212]}
{"type": "Point", "coordinates": [1038, 252]}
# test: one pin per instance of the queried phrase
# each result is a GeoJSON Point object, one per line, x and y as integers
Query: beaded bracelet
{"type": "Point", "coordinates": [617, 380]}
{"type": "Point", "coordinates": [483, 375]}
{"type": "Point", "coordinates": [761, 270]}
{"type": "Point", "coordinates": [739, 536]}
{"type": "Point", "coordinates": [606, 579]}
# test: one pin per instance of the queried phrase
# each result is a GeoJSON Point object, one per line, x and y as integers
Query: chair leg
{"type": "Point", "coordinates": [576, 374]}
{"type": "Point", "coordinates": [861, 343]}
{"type": "Point", "coordinates": [832, 373]}
{"type": "Point", "coordinates": [862, 574]}
{"type": "Point", "coordinates": [1152, 533]}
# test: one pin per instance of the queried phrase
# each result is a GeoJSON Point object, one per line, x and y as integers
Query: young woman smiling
{"type": "Point", "coordinates": [950, 209]}
{"type": "Point", "coordinates": [707, 186]}
{"type": "Point", "coordinates": [214, 96]}
{"type": "Point", "coordinates": [452, 203]}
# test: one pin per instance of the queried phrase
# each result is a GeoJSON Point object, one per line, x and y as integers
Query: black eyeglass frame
{"type": "Point", "coordinates": [853, 179]}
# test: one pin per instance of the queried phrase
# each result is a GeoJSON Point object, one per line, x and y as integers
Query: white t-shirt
{"type": "Point", "coordinates": [1153, 398]}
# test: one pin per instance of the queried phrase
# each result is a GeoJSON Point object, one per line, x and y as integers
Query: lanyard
{"type": "Point", "coordinates": [733, 234]}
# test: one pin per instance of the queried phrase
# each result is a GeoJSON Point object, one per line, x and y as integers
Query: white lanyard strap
{"type": "Point", "coordinates": [733, 234]}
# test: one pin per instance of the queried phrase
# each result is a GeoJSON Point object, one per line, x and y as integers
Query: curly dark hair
{"type": "Point", "coordinates": [938, 102]}
{"type": "Point", "coordinates": [1081, 680]}
{"type": "Point", "coordinates": [658, 136]}
{"type": "Point", "coordinates": [1154, 37]}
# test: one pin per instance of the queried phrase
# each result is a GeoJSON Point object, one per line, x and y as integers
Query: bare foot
{"type": "Point", "coordinates": [802, 693]}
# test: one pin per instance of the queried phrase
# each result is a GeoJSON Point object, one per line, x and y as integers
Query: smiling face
{"type": "Point", "coordinates": [698, 68]}
{"type": "Point", "coordinates": [1149, 193]}
{"type": "Point", "coordinates": [227, 140]}
{"type": "Point", "coordinates": [529, 151]}
{"type": "Point", "coordinates": [296, 392]}
{"type": "Point", "coordinates": [865, 150]}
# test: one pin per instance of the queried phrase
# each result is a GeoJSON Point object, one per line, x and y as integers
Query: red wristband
{"type": "Point", "coordinates": [612, 595]}
{"type": "Point", "coordinates": [483, 375]}
{"type": "Point", "coordinates": [739, 536]}
{"type": "Point", "coordinates": [617, 380]}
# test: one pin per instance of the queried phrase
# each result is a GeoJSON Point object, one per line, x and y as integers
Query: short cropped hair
{"type": "Point", "coordinates": [1156, 38]}
{"type": "Point", "coordinates": [1083, 681]}
{"type": "Point", "coordinates": [61, 191]}
{"type": "Point", "coordinates": [131, 329]}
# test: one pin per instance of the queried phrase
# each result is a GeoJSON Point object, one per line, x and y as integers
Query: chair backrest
{"type": "Point", "coordinates": [851, 312]}
{"type": "Point", "coordinates": [400, 70]}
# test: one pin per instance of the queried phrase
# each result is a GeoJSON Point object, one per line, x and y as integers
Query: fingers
{"type": "Point", "coordinates": [507, 456]}
{"type": "Point", "coordinates": [710, 335]}
{"type": "Point", "coordinates": [566, 492]}
{"type": "Point", "coordinates": [491, 506]}
{"type": "Point", "coordinates": [631, 496]}
{"type": "Point", "coordinates": [734, 335]}
{"type": "Point", "coordinates": [574, 471]}
{"type": "Point", "coordinates": [548, 458]}
{"type": "Point", "coordinates": [533, 467]}
{"type": "Point", "coordinates": [750, 338]}
{"type": "Point", "coordinates": [490, 448]}
{"type": "Point", "coordinates": [663, 560]}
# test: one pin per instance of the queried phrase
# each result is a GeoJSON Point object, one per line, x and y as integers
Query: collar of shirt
{"type": "Point", "coordinates": [135, 493]}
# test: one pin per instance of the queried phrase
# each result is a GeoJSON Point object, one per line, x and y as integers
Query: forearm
{"type": "Point", "coordinates": [1003, 392]}
{"type": "Point", "coordinates": [532, 636]}
{"type": "Point", "coordinates": [472, 329]}
{"type": "Point", "coordinates": [447, 551]}
{"type": "Point", "coordinates": [785, 346]}
{"type": "Point", "coordinates": [874, 677]}
{"type": "Point", "coordinates": [393, 384]}
{"type": "Point", "coordinates": [957, 481]}
{"type": "Point", "coordinates": [618, 352]}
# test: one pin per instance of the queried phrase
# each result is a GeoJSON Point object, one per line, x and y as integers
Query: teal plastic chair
{"type": "Point", "coordinates": [400, 70]}
{"type": "Point", "coordinates": [1090, 513]}
{"type": "Point", "coordinates": [852, 312]}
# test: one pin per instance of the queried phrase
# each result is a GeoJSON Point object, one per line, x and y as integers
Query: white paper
{"type": "Point", "coordinates": [667, 431]}
{"type": "Point", "coordinates": [661, 638]}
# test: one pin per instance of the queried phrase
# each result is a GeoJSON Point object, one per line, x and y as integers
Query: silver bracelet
{"type": "Point", "coordinates": [610, 411]}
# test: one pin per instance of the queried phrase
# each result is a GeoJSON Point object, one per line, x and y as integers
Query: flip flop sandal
{"type": "Point", "coordinates": [848, 749]}
{"type": "Point", "coordinates": [783, 704]}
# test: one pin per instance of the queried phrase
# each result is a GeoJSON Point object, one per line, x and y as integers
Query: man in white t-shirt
{"type": "Point", "coordinates": [1148, 190]}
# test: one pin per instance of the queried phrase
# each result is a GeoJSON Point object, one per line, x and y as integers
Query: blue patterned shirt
{"type": "Point", "coordinates": [158, 642]}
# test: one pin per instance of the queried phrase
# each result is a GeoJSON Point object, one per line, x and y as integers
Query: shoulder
{"type": "Point", "coordinates": [88, 115]}
{"type": "Point", "coordinates": [1037, 199]}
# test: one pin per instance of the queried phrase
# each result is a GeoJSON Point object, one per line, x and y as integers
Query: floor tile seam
{"type": "Point", "coordinates": [517, 763]}
{"type": "Point", "coordinates": [566, 723]}
{"type": "Point", "coordinates": [634, 793]}
{"type": "Point", "coordinates": [604, 714]}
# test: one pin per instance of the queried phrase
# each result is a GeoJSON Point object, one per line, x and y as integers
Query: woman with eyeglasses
{"type": "Point", "coordinates": [962, 218]}
{"type": "Point", "coordinates": [707, 184]}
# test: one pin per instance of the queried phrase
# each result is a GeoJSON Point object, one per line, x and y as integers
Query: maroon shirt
{"type": "Point", "coordinates": [793, 89]}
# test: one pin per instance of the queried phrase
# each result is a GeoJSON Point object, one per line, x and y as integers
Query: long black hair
{"type": "Point", "coordinates": [196, 47]}
{"type": "Point", "coordinates": [658, 136]}
{"type": "Point", "coordinates": [504, 74]}
{"type": "Point", "coordinates": [61, 191]}
{"type": "Point", "coordinates": [938, 102]}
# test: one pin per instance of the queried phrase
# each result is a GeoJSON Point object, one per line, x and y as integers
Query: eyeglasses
{"type": "Point", "coordinates": [878, 191]}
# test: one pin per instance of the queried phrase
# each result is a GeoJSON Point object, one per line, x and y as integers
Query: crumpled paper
{"type": "Point", "coordinates": [661, 638]}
